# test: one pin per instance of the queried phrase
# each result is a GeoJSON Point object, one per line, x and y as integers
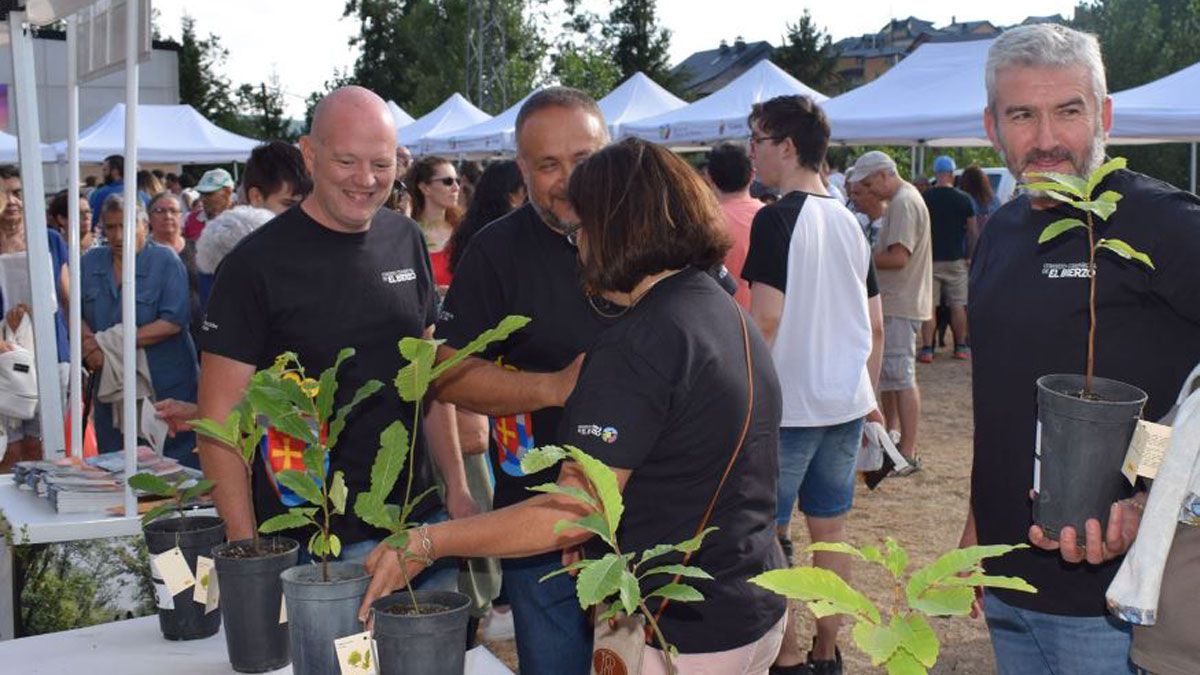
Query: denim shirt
{"type": "Point", "coordinates": [162, 293]}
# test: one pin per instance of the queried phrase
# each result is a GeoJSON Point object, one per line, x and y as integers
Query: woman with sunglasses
{"type": "Point", "coordinates": [679, 396]}
{"type": "Point", "coordinates": [434, 186]}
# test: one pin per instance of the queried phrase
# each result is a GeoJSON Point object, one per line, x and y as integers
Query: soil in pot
{"type": "Point", "coordinates": [1081, 445]}
{"type": "Point", "coordinates": [430, 640]}
{"type": "Point", "coordinates": [320, 612]}
{"type": "Point", "coordinates": [185, 619]}
{"type": "Point", "coordinates": [251, 599]}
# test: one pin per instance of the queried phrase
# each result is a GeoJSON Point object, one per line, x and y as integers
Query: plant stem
{"type": "Point", "coordinates": [325, 528]}
{"type": "Point", "coordinates": [412, 448]}
{"type": "Point", "coordinates": [658, 635]}
{"type": "Point", "coordinates": [253, 515]}
{"type": "Point", "coordinates": [408, 585]}
{"type": "Point", "coordinates": [1091, 345]}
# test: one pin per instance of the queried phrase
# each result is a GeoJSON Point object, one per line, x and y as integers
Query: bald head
{"type": "Point", "coordinates": [351, 104]}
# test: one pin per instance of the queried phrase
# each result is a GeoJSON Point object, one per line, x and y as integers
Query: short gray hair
{"type": "Point", "coordinates": [224, 232]}
{"type": "Point", "coordinates": [1045, 44]}
{"type": "Point", "coordinates": [115, 203]}
{"type": "Point", "coordinates": [558, 97]}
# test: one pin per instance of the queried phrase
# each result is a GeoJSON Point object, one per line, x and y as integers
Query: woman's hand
{"type": "Point", "coordinates": [176, 414]}
{"type": "Point", "coordinates": [5, 347]}
{"type": "Point", "coordinates": [94, 359]}
{"type": "Point", "coordinates": [15, 315]}
{"type": "Point", "coordinates": [390, 570]}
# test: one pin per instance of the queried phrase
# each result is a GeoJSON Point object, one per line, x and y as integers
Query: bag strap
{"type": "Point", "coordinates": [712, 503]}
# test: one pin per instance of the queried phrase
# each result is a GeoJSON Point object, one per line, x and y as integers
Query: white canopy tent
{"type": "Point", "coordinates": [636, 99]}
{"type": "Point", "coordinates": [489, 137]}
{"type": "Point", "coordinates": [453, 114]}
{"type": "Point", "coordinates": [8, 150]}
{"type": "Point", "coordinates": [166, 133]}
{"type": "Point", "coordinates": [402, 118]}
{"type": "Point", "coordinates": [1166, 110]}
{"type": "Point", "coordinates": [722, 114]}
{"type": "Point", "coordinates": [935, 96]}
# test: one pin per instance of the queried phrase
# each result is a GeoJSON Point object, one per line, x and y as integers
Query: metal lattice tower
{"type": "Point", "coordinates": [486, 58]}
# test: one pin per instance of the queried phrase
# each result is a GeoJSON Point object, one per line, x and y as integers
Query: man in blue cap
{"type": "Point", "coordinates": [952, 225]}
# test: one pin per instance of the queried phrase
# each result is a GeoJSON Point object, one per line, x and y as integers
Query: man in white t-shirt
{"type": "Point", "coordinates": [813, 296]}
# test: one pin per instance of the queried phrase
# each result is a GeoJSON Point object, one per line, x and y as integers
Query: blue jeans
{"type": "Point", "coordinates": [1035, 643]}
{"type": "Point", "coordinates": [554, 636]}
{"type": "Point", "coordinates": [817, 464]}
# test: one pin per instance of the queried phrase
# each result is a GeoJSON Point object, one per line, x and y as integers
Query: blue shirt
{"type": "Point", "coordinates": [96, 199]}
{"type": "Point", "coordinates": [162, 293]}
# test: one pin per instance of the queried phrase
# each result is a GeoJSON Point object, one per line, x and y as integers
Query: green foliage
{"type": "Point", "coordinates": [180, 489]}
{"type": "Point", "coordinates": [583, 55]}
{"type": "Point", "coordinates": [806, 52]}
{"type": "Point", "coordinates": [615, 575]}
{"type": "Point", "coordinates": [639, 43]}
{"type": "Point", "coordinates": [901, 640]}
{"type": "Point", "coordinates": [201, 84]}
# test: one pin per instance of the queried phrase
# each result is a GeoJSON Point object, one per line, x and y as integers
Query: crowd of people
{"type": "Point", "coordinates": [716, 404]}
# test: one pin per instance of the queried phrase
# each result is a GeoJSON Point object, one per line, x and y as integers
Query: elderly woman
{"type": "Point", "coordinates": [163, 314]}
{"type": "Point", "coordinates": [686, 386]}
{"type": "Point", "coordinates": [166, 228]}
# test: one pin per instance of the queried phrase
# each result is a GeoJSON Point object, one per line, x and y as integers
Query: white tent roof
{"type": "Point", "coordinates": [490, 136]}
{"type": "Point", "coordinates": [1167, 109]}
{"type": "Point", "coordinates": [453, 114]}
{"type": "Point", "coordinates": [166, 133]}
{"type": "Point", "coordinates": [8, 150]}
{"type": "Point", "coordinates": [636, 99]}
{"type": "Point", "coordinates": [402, 118]}
{"type": "Point", "coordinates": [723, 113]}
{"type": "Point", "coordinates": [935, 95]}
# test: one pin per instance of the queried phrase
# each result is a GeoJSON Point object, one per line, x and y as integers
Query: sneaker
{"type": "Point", "coordinates": [925, 355]}
{"type": "Point", "coordinates": [914, 465]}
{"type": "Point", "coordinates": [798, 669]}
{"type": "Point", "coordinates": [788, 552]}
{"type": "Point", "coordinates": [962, 352]}
{"type": "Point", "coordinates": [498, 625]}
{"type": "Point", "coordinates": [832, 667]}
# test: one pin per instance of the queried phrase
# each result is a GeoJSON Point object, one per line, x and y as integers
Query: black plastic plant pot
{"type": "Point", "coordinates": [251, 601]}
{"type": "Point", "coordinates": [1081, 446]}
{"type": "Point", "coordinates": [195, 535]}
{"type": "Point", "coordinates": [432, 642]}
{"type": "Point", "coordinates": [320, 612]}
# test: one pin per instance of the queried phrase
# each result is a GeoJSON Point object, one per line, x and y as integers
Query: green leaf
{"type": "Point", "coordinates": [611, 613]}
{"type": "Point", "coordinates": [689, 571]}
{"type": "Point", "coordinates": [413, 379]}
{"type": "Point", "coordinates": [1058, 227]}
{"type": "Point", "coordinates": [1051, 190]}
{"type": "Point", "coordinates": [593, 522]}
{"type": "Point", "coordinates": [507, 326]}
{"type": "Point", "coordinates": [157, 512]}
{"type": "Point", "coordinates": [226, 432]}
{"type": "Point", "coordinates": [872, 555]}
{"type": "Point", "coordinates": [1064, 182]}
{"type": "Point", "coordinates": [302, 484]}
{"type": "Point", "coordinates": [274, 402]}
{"type": "Point", "coordinates": [335, 545]}
{"type": "Point", "coordinates": [951, 563]}
{"type": "Point", "coordinates": [656, 551]}
{"type": "Point", "coordinates": [897, 557]}
{"type": "Point", "coordinates": [578, 564]}
{"type": "Point", "coordinates": [599, 579]}
{"type": "Point", "coordinates": [372, 511]}
{"type": "Point", "coordinates": [570, 491]}
{"type": "Point", "coordinates": [692, 545]}
{"type": "Point", "coordinates": [327, 385]}
{"type": "Point", "coordinates": [314, 461]}
{"type": "Point", "coordinates": [835, 547]}
{"type": "Point", "coordinates": [389, 460]}
{"type": "Point", "coordinates": [677, 593]}
{"type": "Point", "coordinates": [364, 392]}
{"type": "Point", "coordinates": [398, 540]}
{"type": "Point", "coordinates": [1102, 172]}
{"type": "Point", "coordinates": [903, 663]}
{"type": "Point", "coordinates": [879, 642]}
{"type": "Point", "coordinates": [974, 580]}
{"type": "Point", "coordinates": [939, 601]}
{"type": "Point", "coordinates": [338, 493]}
{"type": "Point", "coordinates": [354, 658]}
{"type": "Point", "coordinates": [629, 592]}
{"type": "Point", "coordinates": [284, 521]}
{"type": "Point", "coordinates": [604, 483]}
{"type": "Point", "coordinates": [407, 509]}
{"type": "Point", "coordinates": [815, 584]}
{"type": "Point", "coordinates": [1102, 209]}
{"type": "Point", "coordinates": [317, 545]}
{"type": "Point", "coordinates": [917, 638]}
{"type": "Point", "coordinates": [540, 459]}
{"type": "Point", "coordinates": [1109, 196]}
{"type": "Point", "coordinates": [201, 486]}
{"type": "Point", "coordinates": [155, 485]}
{"type": "Point", "coordinates": [1125, 251]}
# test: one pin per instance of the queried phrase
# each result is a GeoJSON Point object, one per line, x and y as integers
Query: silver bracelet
{"type": "Point", "coordinates": [426, 546]}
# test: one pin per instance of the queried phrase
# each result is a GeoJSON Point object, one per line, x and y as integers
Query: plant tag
{"type": "Point", "coordinates": [174, 571]}
{"type": "Point", "coordinates": [153, 429]}
{"type": "Point", "coordinates": [162, 598]}
{"type": "Point", "coordinates": [1146, 450]}
{"type": "Point", "coordinates": [282, 608]}
{"type": "Point", "coordinates": [356, 654]}
{"type": "Point", "coordinates": [206, 591]}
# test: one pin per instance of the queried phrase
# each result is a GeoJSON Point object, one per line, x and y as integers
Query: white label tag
{"type": "Point", "coordinates": [206, 591]}
{"type": "Point", "coordinates": [173, 569]}
{"type": "Point", "coordinates": [356, 654]}
{"type": "Point", "coordinates": [1037, 459]}
{"type": "Point", "coordinates": [161, 597]}
{"type": "Point", "coordinates": [154, 430]}
{"type": "Point", "coordinates": [1146, 450]}
{"type": "Point", "coordinates": [282, 608]}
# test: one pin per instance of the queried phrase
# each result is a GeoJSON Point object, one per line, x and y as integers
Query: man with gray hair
{"type": "Point", "coordinates": [1048, 111]}
{"type": "Point", "coordinates": [904, 263]}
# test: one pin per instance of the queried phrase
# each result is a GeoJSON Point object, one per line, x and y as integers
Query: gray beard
{"type": "Point", "coordinates": [1091, 162]}
{"type": "Point", "coordinates": [552, 221]}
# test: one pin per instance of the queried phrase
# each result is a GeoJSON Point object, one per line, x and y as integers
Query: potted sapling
{"type": "Point", "coordinates": [256, 631]}
{"type": "Point", "coordinates": [174, 544]}
{"type": "Point", "coordinates": [898, 638]}
{"type": "Point", "coordinates": [415, 631]}
{"type": "Point", "coordinates": [1085, 423]}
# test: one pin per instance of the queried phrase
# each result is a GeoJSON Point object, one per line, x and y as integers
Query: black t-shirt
{"type": "Point", "coordinates": [1029, 318]}
{"type": "Point", "coordinates": [518, 265]}
{"type": "Point", "coordinates": [663, 393]}
{"type": "Point", "coordinates": [949, 209]}
{"type": "Point", "coordinates": [296, 285]}
{"type": "Point", "coordinates": [771, 237]}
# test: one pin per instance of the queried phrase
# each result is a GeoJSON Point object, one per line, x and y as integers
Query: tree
{"type": "Point", "coordinates": [639, 43]}
{"type": "Point", "coordinates": [200, 83]}
{"type": "Point", "coordinates": [261, 107]}
{"type": "Point", "coordinates": [584, 56]}
{"type": "Point", "coordinates": [1144, 40]}
{"type": "Point", "coordinates": [807, 54]}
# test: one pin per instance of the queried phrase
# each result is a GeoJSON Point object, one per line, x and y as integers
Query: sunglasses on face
{"type": "Point", "coordinates": [447, 181]}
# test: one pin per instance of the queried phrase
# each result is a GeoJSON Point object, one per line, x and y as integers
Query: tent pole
{"type": "Point", "coordinates": [128, 260]}
{"type": "Point", "coordinates": [36, 238]}
{"type": "Point", "coordinates": [75, 303]}
{"type": "Point", "coordinates": [1192, 166]}
{"type": "Point", "coordinates": [912, 163]}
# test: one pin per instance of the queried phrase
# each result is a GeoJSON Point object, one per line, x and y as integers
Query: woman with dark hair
{"type": "Point", "coordinates": [59, 217]}
{"type": "Point", "coordinates": [500, 190]}
{"type": "Point", "coordinates": [679, 397]}
{"type": "Point", "coordinates": [434, 186]}
{"type": "Point", "coordinates": [975, 183]}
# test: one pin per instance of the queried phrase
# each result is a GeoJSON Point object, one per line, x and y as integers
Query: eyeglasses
{"type": "Point", "coordinates": [755, 140]}
{"type": "Point", "coordinates": [162, 211]}
{"type": "Point", "coordinates": [447, 181]}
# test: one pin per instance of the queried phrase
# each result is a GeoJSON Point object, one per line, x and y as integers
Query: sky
{"type": "Point", "coordinates": [305, 41]}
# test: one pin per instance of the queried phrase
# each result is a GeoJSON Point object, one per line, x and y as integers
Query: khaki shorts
{"type": "Point", "coordinates": [899, 369]}
{"type": "Point", "coordinates": [950, 282]}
